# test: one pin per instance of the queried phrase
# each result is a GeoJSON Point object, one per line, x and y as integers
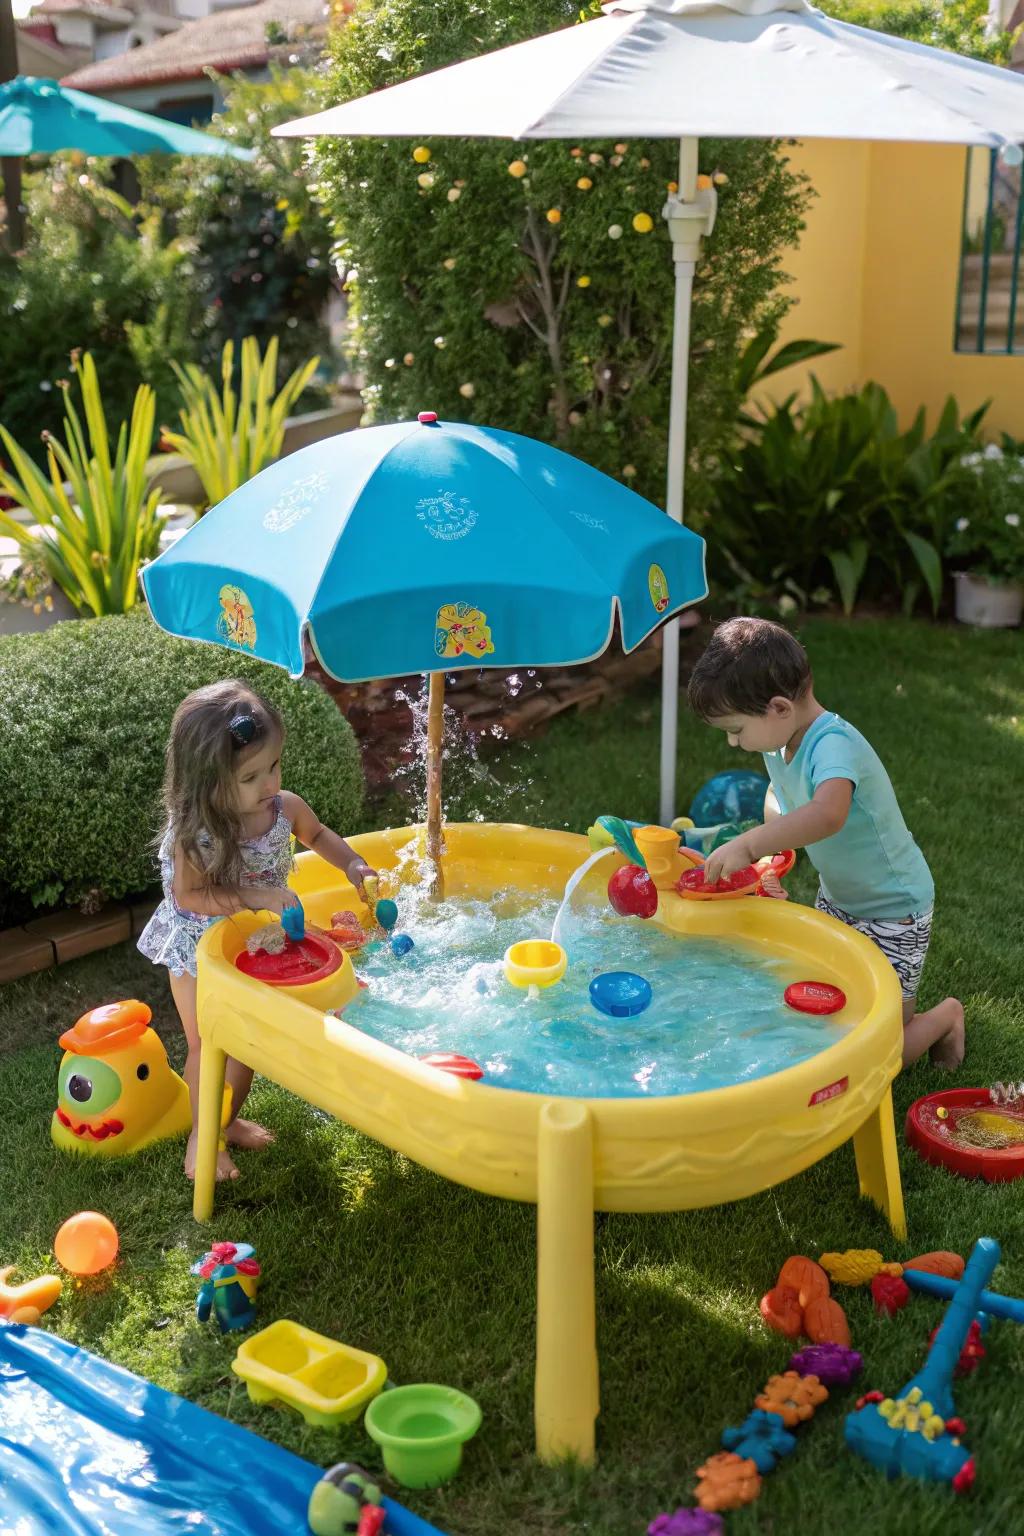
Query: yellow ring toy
{"type": "Point", "coordinates": [535, 963]}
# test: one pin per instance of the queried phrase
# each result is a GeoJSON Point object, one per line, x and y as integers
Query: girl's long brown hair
{"type": "Point", "coordinates": [203, 757]}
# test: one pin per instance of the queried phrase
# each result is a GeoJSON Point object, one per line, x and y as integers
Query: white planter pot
{"type": "Point", "coordinates": [987, 604]}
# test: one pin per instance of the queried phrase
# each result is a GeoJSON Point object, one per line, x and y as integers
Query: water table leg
{"type": "Point", "coordinates": [878, 1166]}
{"type": "Point", "coordinates": [566, 1388]}
{"type": "Point", "coordinates": [211, 1098]}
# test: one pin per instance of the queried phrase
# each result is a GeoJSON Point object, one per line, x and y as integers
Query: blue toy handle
{"type": "Point", "coordinates": [293, 921]}
{"type": "Point", "coordinates": [956, 1325]}
{"type": "Point", "coordinates": [990, 1302]}
{"type": "Point", "coordinates": [204, 1302]}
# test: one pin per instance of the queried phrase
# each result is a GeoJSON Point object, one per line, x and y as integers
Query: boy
{"type": "Point", "coordinates": [829, 794]}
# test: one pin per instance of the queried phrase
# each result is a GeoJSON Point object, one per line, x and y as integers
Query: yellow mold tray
{"type": "Point", "coordinates": [327, 1382]}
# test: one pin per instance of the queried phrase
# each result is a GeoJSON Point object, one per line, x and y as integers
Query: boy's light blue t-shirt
{"type": "Point", "coordinates": [871, 867]}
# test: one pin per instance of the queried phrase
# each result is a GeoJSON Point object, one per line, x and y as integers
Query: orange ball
{"type": "Point", "coordinates": [86, 1243]}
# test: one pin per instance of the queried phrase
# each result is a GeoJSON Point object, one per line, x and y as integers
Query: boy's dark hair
{"type": "Point", "coordinates": [748, 663]}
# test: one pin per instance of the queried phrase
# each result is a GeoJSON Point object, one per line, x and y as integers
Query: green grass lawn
{"type": "Point", "coordinates": [359, 1243]}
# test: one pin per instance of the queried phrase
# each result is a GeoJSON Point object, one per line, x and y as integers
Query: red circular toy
{"type": "Point", "coordinates": [815, 997]}
{"type": "Point", "coordinates": [632, 892]}
{"type": "Point", "coordinates": [931, 1129]}
{"type": "Point", "coordinates": [742, 882]}
{"type": "Point", "coordinates": [311, 959]}
{"type": "Point", "coordinates": [458, 1066]}
{"type": "Point", "coordinates": [777, 864]}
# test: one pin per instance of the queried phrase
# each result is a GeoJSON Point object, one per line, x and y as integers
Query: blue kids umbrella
{"type": "Point", "coordinates": [427, 546]}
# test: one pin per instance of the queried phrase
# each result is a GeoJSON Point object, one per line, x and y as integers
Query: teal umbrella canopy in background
{"type": "Point", "coordinates": [427, 546]}
{"type": "Point", "coordinates": [41, 117]}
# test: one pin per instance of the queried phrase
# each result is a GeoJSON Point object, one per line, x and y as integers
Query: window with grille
{"type": "Point", "coordinates": [990, 304]}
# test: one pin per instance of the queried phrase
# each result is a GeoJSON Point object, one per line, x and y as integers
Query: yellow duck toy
{"type": "Point", "coordinates": [116, 1091]}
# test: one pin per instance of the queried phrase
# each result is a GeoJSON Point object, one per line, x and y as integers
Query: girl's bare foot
{"type": "Point", "coordinates": [225, 1167]}
{"type": "Point", "coordinates": [246, 1133]}
{"type": "Point", "coordinates": [948, 1051]}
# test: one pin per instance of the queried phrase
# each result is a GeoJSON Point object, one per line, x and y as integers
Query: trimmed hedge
{"type": "Point", "coordinates": [85, 711]}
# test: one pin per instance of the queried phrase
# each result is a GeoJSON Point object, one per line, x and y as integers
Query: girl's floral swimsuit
{"type": "Point", "coordinates": [171, 935]}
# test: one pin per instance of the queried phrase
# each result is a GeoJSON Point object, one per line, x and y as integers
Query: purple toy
{"type": "Point", "coordinates": [687, 1522]}
{"type": "Point", "coordinates": [833, 1364]}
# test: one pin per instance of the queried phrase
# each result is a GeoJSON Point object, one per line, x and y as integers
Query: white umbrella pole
{"type": "Point", "coordinates": [691, 216]}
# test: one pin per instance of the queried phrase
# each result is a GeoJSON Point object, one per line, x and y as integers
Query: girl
{"type": "Point", "coordinates": [226, 847]}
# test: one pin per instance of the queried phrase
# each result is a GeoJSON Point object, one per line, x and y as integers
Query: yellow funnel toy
{"type": "Point", "coordinates": [116, 1092]}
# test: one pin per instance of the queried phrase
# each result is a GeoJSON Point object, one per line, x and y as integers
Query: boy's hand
{"type": "Point", "coordinates": [726, 860]}
{"type": "Point", "coordinates": [772, 886]}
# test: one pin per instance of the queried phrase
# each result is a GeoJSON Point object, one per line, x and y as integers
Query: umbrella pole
{"type": "Point", "coordinates": [691, 216]}
{"type": "Point", "coordinates": [435, 753]}
{"type": "Point", "coordinates": [10, 172]}
{"type": "Point", "coordinates": [10, 166]}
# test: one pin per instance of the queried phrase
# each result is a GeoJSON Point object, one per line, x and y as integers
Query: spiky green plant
{"type": "Point", "coordinates": [229, 436]}
{"type": "Point", "coordinates": [99, 517]}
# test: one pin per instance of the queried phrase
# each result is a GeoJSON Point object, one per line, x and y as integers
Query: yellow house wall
{"type": "Point", "coordinates": [877, 270]}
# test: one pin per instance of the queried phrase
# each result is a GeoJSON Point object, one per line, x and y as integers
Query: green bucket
{"type": "Point", "coordinates": [421, 1430]}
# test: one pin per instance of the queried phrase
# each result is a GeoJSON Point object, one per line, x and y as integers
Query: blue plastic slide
{"type": "Point", "coordinates": [88, 1449]}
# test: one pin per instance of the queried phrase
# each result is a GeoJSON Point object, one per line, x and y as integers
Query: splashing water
{"type": "Point", "coordinates": [570, 886]}
{"type": "Point", "coordinates": [717, 1017]}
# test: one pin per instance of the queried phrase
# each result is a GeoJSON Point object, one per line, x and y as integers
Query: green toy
{"type": "Point", "coordinates": [339, 1499]}
{"type": "Point", "coordinates": [613, 832]}
{"type": "Point", "coordinates": [421, 1430]}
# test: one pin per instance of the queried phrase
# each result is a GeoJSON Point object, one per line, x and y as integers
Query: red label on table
{"type": "Point", "coordinates": [833, 1091]}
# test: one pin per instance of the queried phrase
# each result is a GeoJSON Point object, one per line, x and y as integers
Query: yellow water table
{"type": "Point", "coordinates": [571, 1156]}
{"type": "Point", "coordinates": [327, 1382]}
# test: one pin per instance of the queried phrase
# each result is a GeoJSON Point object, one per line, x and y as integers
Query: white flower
{"type": "Point", "coordinates": [787, 604]}
{"type": "Point", "coordinates": [962, 523]}
{"type": "Point", "coordinates": [993, 451]}
{"type": "Point", "coordinates": [970, 460]}
{"type": "Point", "coordinates": [1013, 519]}
{"type": "Point", "coordinates": [467, 391]}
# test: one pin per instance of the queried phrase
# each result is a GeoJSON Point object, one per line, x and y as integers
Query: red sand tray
{"type": "Point", "coordinates": [996, 1165]}
{"type": "Point", "coordinates": [313, 958]}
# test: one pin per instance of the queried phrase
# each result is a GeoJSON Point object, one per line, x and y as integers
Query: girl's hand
{"type": "Point", "coordinates": [272, 898]}
{"type": "Point", "coordinates": [358, 871]}
{"type": "Point", "coordinates": [725, 861]}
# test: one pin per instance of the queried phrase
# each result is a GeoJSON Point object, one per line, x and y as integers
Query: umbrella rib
{"type": "Point", "coordinates": [626, 23]}
{"type": "Point", "coordinates": [884, 50]}
{"type": "Point", "coordinates": [307, 621]}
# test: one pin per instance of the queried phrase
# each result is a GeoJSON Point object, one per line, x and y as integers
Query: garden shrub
{"type": "Point", "coordinates": [85, 711]}
{"type": "Point", "coordinates": [830, 494]}
{"type": "Point", "coordinates": [469, 298]}
{"type": "Point", "coordinates": [216, 250]}
{"type": "Point", "coordinates": [960, 26]}
{"type": "Point", "coordinates": [96, 275]}
{"type": "Point", "coordinates": [259, 243]}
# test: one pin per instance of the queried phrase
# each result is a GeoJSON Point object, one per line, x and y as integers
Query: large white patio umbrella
{"type": "Point", "coordinates": [688, 69]}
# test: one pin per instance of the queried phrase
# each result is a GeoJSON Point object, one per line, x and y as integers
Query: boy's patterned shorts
{"type": "Point", "coordinates": [904, 943]}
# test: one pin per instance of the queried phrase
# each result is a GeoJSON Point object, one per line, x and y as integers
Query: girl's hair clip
{"type": "Point", "coordinates": [243, 730]}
